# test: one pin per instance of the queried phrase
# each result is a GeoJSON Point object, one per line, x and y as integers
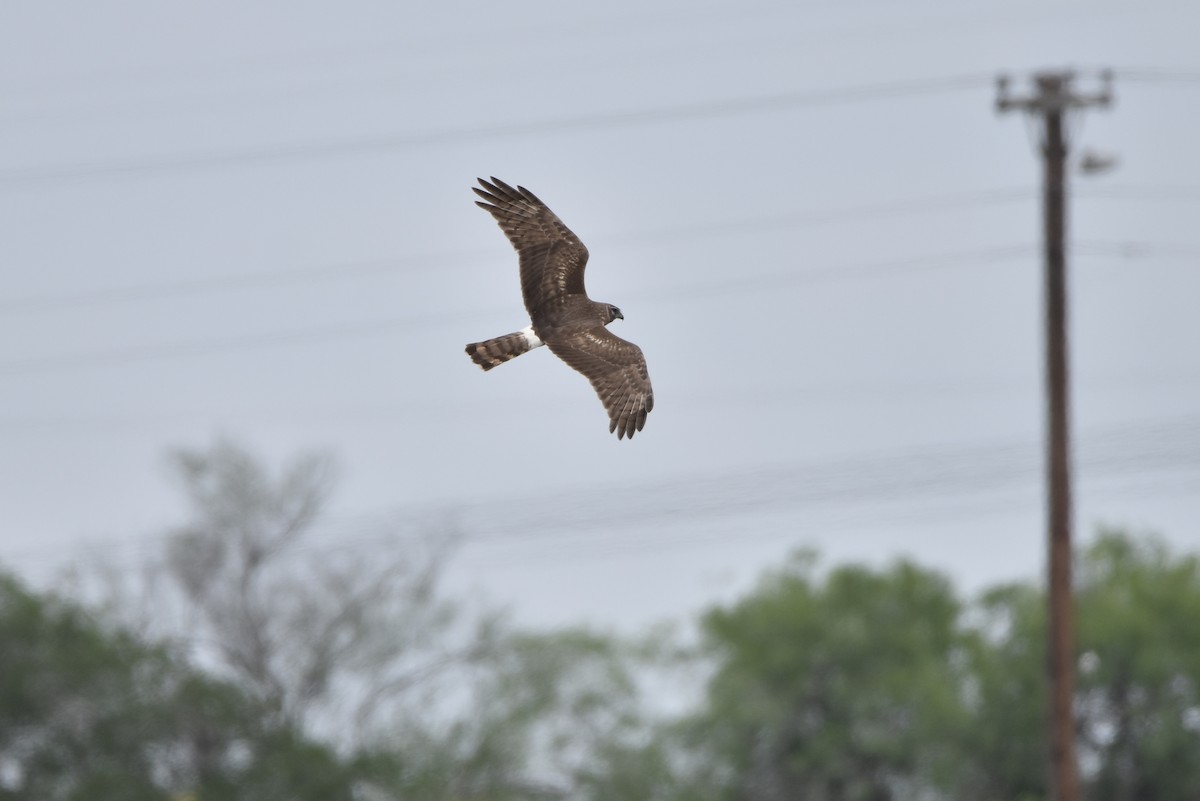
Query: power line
{"type": "Point", "coordinates": [46, 364]}
{"type": "Point", "coordinates": [168, 289]}
{"type": "Point", "coordinates": [669, 49]}
{"type": "Point", "coordinates": [871, 211]}
{"type": "Point", "coordinates": [414, 73]}
{"type": "Point", "coordinates": [604, 29]}
{"type": "Point", "coordinates": [600, 28]}
{"type": "Point", "coordinates": [1138, 250]}
{"type": "Point", "coordinates": [406, 263]}
{"type": "Point", "coordinates": [382, 410]}
{"type": "Point", "coordinates": [730, 107]}
{"type": "Point", "coordinates": [1157, 75]}
{"type": "Point", "coordinates": [220, 283]}
{"type": "Point", "coordinates": [49, 364]}
{"type": "Point", "coordinates": [1138, 192]}
{"type": "Point", "coordinates": [887, 480]}
{"type": "Point", "coordinates": [752, 283]}
{"type": "Point", "coordinates": [1110, 452]}
{"type": "Point", "coordinates": [996, 502]}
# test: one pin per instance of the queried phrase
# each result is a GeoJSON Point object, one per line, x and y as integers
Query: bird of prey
{"type": "Point", "coordinates": [561, 314]}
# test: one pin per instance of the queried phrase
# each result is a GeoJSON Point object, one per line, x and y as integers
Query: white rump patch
{"type": "Point", "coordinates": [531, 337]}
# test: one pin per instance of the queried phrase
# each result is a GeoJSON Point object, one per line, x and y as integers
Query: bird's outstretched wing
{"type": "Point", "coordinates": [552, 257]}
{"type": "Point", "coordinates": [617, 371]}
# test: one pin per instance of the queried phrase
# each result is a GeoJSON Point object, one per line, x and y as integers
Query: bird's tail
{"type": "Point", "coordinates": [496, 351]}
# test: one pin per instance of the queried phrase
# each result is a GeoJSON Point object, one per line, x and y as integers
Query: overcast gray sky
{"type": "Point", "coordinates": [254, 220]}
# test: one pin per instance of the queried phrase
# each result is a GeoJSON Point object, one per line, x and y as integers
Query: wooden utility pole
{"type": "Point", "coordinates": [1053, 100]}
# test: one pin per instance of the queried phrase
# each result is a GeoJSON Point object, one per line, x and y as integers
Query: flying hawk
{"type": "Point", "coordinates": [562, 315]}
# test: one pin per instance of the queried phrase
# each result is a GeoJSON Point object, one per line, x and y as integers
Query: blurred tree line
{"type": "Point", "coordinates": [247, 662]}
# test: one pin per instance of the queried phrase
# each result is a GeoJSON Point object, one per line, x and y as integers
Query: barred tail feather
{"type": "Point", "coordinates": [497, 351]}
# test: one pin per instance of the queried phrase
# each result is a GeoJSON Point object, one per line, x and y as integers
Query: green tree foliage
{"type": "Point", "coordinates": [328, 637]}
{"type": "Point", "coordinates": [542, 709]}
{"type": "Point", "coordinates": [1003, 754]}
{"type": "Point", "coordinates": [91, 713]}
{"type": "Point", "coordinates": [855, 684]}
{"type": "Point", "coordinates": [360, 647]}
{"type": "Point", "coordinates": [1139, 631]}
{"type": "Point", "coordinates": [1137, 687]}
{"type": "Point", "coordinates": [841, 688]}
{"type": "Point", "coordinates": [881, 685]}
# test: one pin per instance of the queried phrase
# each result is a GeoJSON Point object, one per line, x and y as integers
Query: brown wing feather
{"type": "Point", "coordinates": [617, 370]}
{"type": "Point", "coordinates": [552, 257]}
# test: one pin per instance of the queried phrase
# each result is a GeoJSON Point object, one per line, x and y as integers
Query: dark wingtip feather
{"type": "Point", "coordinates": [505, 188]}
{"type": "Point", "coordinates": [532, 198]}
{"type": "Point", "coordinates": [491, 195]}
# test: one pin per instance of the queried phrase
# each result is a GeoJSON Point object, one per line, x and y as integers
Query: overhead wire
{"type": "Point", "coordinates": [518, 38]}
{"type": "Point", "coordinates": [44, 364]}
{"type": "Point", "coordinates": [424, 76]}
{"type": "Point", "coordinates": [626, 541]}
{"type": "Point", "coordinates": [602, 28]}
{"type": "Point", "coordinates": [873, 484]}
{"type": "Point", "coordinates": [189, 287]}
{"type": "Point", "coordinates": [658, 48]}
{"type": "Point", "coordinates": [320, 273]}
{"type": "Point", "coordinates": [406, 263]}
{"type": "Point", "coordinates": [1138, 250]}
{"type": "Point", "coordinates": [388, 409]}
{"type": "Point", "coordinates": [868, 479]}
{"type": "Point", "coordinates": [1157, 75]}
{"type": "Point", "coordinates": [411, 262]}
{"type": "Point", "coordinates": [379, 143]}
{"type": "Point", "coordinates": [1167, 193]}
{"type": "Point", "coordinates": [138, 353]}
{"type": "Point", "coordinates": [750, 283]}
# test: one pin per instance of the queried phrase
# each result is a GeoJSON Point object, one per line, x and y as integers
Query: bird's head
{"type": "Point", "coordinates": [614, 313]}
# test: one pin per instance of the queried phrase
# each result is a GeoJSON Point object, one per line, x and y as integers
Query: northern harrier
{"type": "Point", "coordinates": [562, 315]}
